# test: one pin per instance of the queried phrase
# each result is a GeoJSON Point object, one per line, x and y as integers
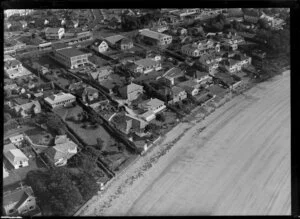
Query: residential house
{"type": "Point", "coordinates": [125, 44]}
{"type": "Point", "coordinates": [172, 74]}
{"type": "Point", "coordinates": [99, 46]}
{"type": "Point", "coordinates": [54, 33]}
{"type": "Point", "coordinates": [112, 40]}
{"type": "Point", "coordinates": [60, 99]}
{"type": "Point", "coordinates": [28, 109]}
{"type": "Point", "coordinates": [145, 65]}
{"type": "Point", "coordinates": [231, 65]}
{"type": "Point", "coordinates": [232, 81]}
{"type": "Point", "coordinates": [90, 94]}
{"type": "Point", "coordinates": [199, 77]}
{"type": "Point", "coordinates": [63, 150]}
{"type": "Point", "coordinates": [210, 62]}
{"type": "Point", "coordinates": [71, 58]}
{"type": "Point", "coordinates": [177, 94]}
{"type": "Point", "coordinates": [191, 87]}
{"type": "Point", "coordinates": [102, 73]}
{"type": "Point", "coordinates": [5, 172]}
{"type": "Point", "coordinates": [151, 107]}
{"type": "Point", "coordinates": [182, 31]}
{"type": "Point", "coordinates": [24, 24]}
{"type": "Point", "coordinates": [131, 91]}
{"type": "Point", "coordinates": [155, 38]}
{"type": "Point", "coordinates": [251, 16]}
{"type": "Point", "coordinates": [20, 201]}
{"type": "Point", "coordinates": [17, 139]}
{"type": "Point", "coordinates": [15, 156]}
{"type": "Point", "coordinates": [200, 48]}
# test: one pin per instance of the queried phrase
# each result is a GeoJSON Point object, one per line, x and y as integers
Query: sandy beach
{"type": "Point", "coordinates": [234, 162]}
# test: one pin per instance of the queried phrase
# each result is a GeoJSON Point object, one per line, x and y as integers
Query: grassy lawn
{"type": "Point", "coordinates": [39, 136]}
{"type": "Point", "coordinates": [89, 136]}
{"type": "Point", "coordinates": [17, 175]}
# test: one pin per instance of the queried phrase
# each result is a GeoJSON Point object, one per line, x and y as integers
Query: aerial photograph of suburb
{"type": "Point", "coordinates": [147, 112]}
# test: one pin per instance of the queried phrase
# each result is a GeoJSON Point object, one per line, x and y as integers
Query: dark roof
{"type": "Point", "coordinates": [97, 42]}
{"type": "Point", "coordinates": [70, 52]}
{"type": "Point", "coordinates": [19, 195]}
{"type": "Point", "coordinates": [176, 90]}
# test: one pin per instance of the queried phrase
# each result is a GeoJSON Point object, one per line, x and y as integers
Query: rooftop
{"type": "Point", "coordinates": [153, 34]}
{"type": "Point", "coordinates": [114, 39]}
{"type": "Point", "coordinates": [70, 52]}
{"type": "Point", "coordinates": [146, 62]}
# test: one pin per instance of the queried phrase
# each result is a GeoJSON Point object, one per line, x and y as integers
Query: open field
{"type": "Point", "coordinates": [235, 162]}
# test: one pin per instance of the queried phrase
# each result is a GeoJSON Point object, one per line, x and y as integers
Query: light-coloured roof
{"type": "Point", "coordinates": [173, 73]}
{"type": "Point", "coordinates": [153, 34]}
{"type": "Point", "coordinates": [59, 97]}
{"type": "Point", "coordinates": [146, 62]}
{"type": "Point", "coordinates": [8, 147]}
{"type": "Point", "coordinates": [130, 88]}
{"type": "Point", "coordinates": [27, 106]}
{"type": "Point", "coordinates": [152, 103]}
{"type": "Point", "coordinates": [16, 137]}
{"type": "Point", "coordinates": [16, 154]}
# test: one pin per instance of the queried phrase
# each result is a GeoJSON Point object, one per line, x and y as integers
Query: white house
{"type": "Point", "coordinates": [16, 139]}
{"type": "Point", "coordinates": [100, 46]}
{"type": "Point", "coordinates": [15, 156]}
{"type": "Point", "coordinates": [151, 107]}
{"type": "Point", "coordinates": [60, 99]}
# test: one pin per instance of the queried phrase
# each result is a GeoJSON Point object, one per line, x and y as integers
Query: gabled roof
{"type": "Point", "coordinates": [173, 73]}
{"type": "Point", "coordinates": [152, 103]}
{"type": "Point", "coordinates": [176, 90]}
{"type": "Point", "coordinates": [130, 88]}
{"type": "Point", "coordinates": [18, 196]}
{"type": "Point", "coordinates": [27, 106]}
{"type": "Point", "coordinates": [16, 155]}
{"type": "Point", "coordinates": [97, 42]}
{"type": "Point", "coordinates": [114, 39]}
{"type": "Point", "coordinates": [153, 34]}
{"type": "Point", "coordinates": [11, 63]}
{"type": "Point", "coordinates": [188, 83]}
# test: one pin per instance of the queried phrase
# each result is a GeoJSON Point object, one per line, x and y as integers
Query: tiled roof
{"type": "Point", "coordinates": [16, 154]}
{"type": "Point", "coordinates": [59, 97]}
{"type": "Point", "coordinates": [61, 150]}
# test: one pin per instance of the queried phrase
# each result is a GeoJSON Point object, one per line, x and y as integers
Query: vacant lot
{"type": "Point", "coordinates": [235, 162]}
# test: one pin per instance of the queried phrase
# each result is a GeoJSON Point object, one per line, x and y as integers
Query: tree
{"type": "Point", "coordinates": [160, 117]}
{"type": "Point", "coordinates": [263, 23]}
{"type": "Point", "coordinates": [86, 185]}
{"type": "Point", "coordinates": [100, 144]}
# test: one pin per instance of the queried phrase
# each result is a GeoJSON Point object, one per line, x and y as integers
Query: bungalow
{"type": "Point", "coordinates": [145, 65]}
{"type": "Point", "coordinates": [63, 150]}
{"type": "Point", "coordinates": [172, 74]}
{"type": "Point", "coordinates": [191, 87]}
{"type": "Point", "coordinates": [152, 107]}
{"type": "Point", "coordinates": [60, 99]}
{"type": "Point", "coordinates": [99, 46]}
{"type": "Point", "coordinates": [177, 94]}
{"type": "Point", "coordinates": [28, 109]}
{"type": "Point", "coordinates": [15, 156]}
{"type": "Point", "coordinates": [131, 91]}
{"type": "Point", "coordinates": [199, 76]}
{"type": "Point", "coordinates": [20, 202]}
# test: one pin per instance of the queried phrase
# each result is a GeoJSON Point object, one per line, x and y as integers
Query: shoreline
{"type": "Point", "coordinates": [122, 182]}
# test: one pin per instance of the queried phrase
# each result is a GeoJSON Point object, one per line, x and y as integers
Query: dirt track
{"type": "Point", "coordinates": [238, 165]}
